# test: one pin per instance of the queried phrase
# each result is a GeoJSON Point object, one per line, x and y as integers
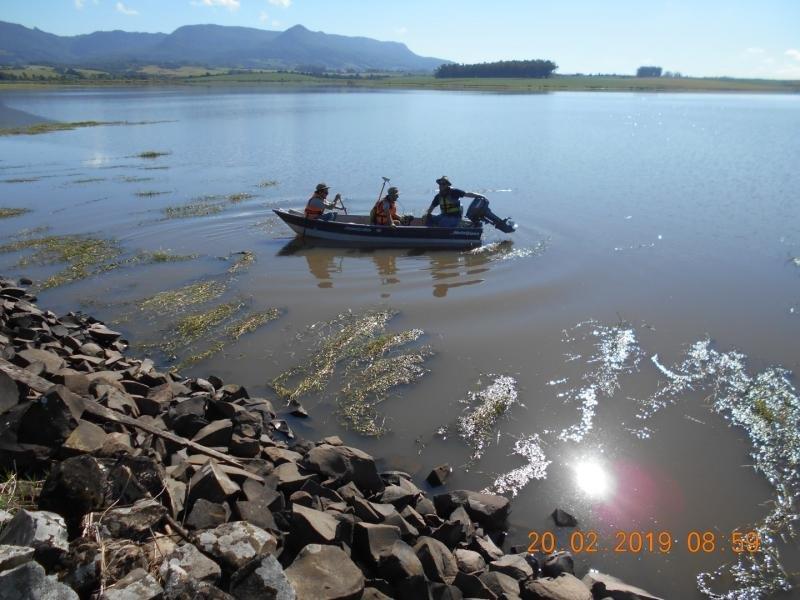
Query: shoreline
{"type": "Point", "coordinates": [206, 491]}
{"type": "Point", "coordinates": [563, 83]}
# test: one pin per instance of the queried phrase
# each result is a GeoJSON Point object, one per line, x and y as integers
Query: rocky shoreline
{"type": "Point", "coordinates": [161, 487]}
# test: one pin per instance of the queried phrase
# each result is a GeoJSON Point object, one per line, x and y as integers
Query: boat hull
{"type": "Point", "coordinates": [356, 231]}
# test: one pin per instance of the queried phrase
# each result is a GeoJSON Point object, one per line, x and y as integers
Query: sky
{"type": "Point", "coordinates": [703, 38]}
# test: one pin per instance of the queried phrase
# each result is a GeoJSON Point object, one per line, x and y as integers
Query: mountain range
{"type": "Point", "coordinates": [208, 46]}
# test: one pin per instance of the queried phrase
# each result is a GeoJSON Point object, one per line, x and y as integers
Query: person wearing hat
{"type": "Point", "coordinates": [449, 202]}
{"type": "Point", "coordinates": [385, 210]}
{"type": "Point", "coordinates": [317, 203]}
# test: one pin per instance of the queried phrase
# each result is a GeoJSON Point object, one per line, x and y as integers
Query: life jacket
{"type": "Point", "coordinates": [380, 216]}
{"type": "Point", "coordinates": [449, 205]}
{"type": "Point", "coordinates": [312, 212]}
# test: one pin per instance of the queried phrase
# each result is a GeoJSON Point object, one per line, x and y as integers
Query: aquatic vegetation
{"type": "Point", "coordinates": [616, 352]}
{"type": "Point", "coordinates": [337, 339]}
{"type": "Point", "coordinates": [201, 208]}
{"type": "Point", "coordinates": [84, 255]}
{"type": "Point", "coordinates": [214, 348]}
{"type": "Point", "coordinates": [193, 327]}
{"type": "Point", "coordinates": [767, 407]}
{"type": "Point", "coordinates": [252, 322]}
{"type": "Point", "coordinates": [39, 128]}
{"type": "Point", "coordinates": [7, 213]}
{"type": "Point", "coordinates": [267, 183]}
{"type": "Point", "coordinates": [367, 388]}
{"type": "Point", "coordinates": [485, 408]}
{"type": "Point", "coordinates": [244, 260]}
{"type": "Point", "coordinates": [239, 197]}
{"type": "Point", "coordinates": [173, 301]}
{"type": "Point", "coordinates": [89, 180]}
{"type": "Point", "coordinates": [370, 359]}
{"type": "Point", "coordinates": [133, 179]}
{"type": "Point", "coordinates": [155, 168]}
{"type": "Point", "coordinates": [149, 194]}
{"type": "Point", "coordinates": [530, 448]}
{"type": "Point", "coordinates": [21, 180]}
{"type": "Point", "coordinates": [152, 154]}
{"type": "Point", "coordinates": [162, 256]}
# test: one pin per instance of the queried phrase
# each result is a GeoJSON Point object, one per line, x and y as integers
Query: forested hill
{"type": "Point", "coordinates": [211, 46]}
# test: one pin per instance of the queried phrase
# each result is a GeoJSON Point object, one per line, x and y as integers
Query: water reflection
{"type": "Point", "coordinates": [593, 478]}
{"type": "Point", "coordinates": [448, 269]}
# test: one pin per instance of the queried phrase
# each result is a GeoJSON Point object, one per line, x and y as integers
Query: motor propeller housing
{"type": "Point", "coordinates": [478, 212]}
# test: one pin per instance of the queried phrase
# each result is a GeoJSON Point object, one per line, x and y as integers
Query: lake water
{"type": "Point", "coordinates": [626, 330]}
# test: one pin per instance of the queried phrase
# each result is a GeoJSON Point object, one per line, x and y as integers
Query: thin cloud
{"type": "Point", "coordinates": [281, 3]}
{"type": "Point", "coordinates": [754, 51]}
{"type": "Point", "coordinates": [125, 10]}
{"type": "Point", "coordinates": [79, 4]}
{"type": "Point", "coordinates": [793, 53]}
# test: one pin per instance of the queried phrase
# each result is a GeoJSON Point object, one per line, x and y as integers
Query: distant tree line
{"type": "Point", "coordinates": [504, 68]}
{"type": "Point", "coordinates": [648, 72]}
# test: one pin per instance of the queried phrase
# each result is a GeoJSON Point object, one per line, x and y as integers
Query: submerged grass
{"type": "Point", "coordinates": [149, 194]}
{"type": "Point", "coordinates": [21, 180]}
{"type": "Point", "coordinates": [163, 256]}
{"type": "Point", "coordinates": [201, 208]}
{"type": "Point", "coordinates": [252, 322]}
{"type": "Point", "coordinates": [152, 154]}
{"type": "Point", "coordinates": [84, 255]}
{"type": "Point", "coordinates": [39, 128]}
{"type": "Point", "coordinates": [89, 180]}
{"type": "Point", "coordinates": [243, 261]}
{"type": "Point", "coordinates": [267, 183]}
{"type": "Point", "coordinates": [372, 364]}
{"type": "Point", "coordinates": [7, 213]}
{"type": "Point", "coordinates": [239, 197]}
{"type": "Point", "coordinates": [133, 179]}
{"type": "Point", "coordinates": [191, 328]}
{"type": "Point", "coordinates": [486, 407]}
{"type": "Point", "coordinates": [338, 338]}
{"type": "Point", "coordinates": [177, 300]}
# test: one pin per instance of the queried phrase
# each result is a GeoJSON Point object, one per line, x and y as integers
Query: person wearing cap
{"type": "Point", "coordinates": [385, 210]}
{"type": "Point", "coordinates": [317, 203]}
{"type": "Point", "coordinates": [449, 202]}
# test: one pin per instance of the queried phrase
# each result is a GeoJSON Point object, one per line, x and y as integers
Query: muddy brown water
{"type": "Point", "coordinates": [648, 223]}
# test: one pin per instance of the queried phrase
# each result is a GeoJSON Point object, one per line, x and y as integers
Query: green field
{"type": "Point", "coordinates": [199, 76]}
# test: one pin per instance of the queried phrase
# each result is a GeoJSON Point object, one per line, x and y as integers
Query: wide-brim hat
{"type": "Point", "coordinates": [321, 187]}
{"type": "Point", "coordinates": [443, 180]}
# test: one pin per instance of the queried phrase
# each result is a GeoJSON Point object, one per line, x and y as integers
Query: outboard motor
{"type": "Point", "coordinates": [478, 212]}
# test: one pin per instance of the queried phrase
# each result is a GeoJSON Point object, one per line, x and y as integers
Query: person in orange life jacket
{"type": "Point", "coordinates": [385, 210]}
{"type": "Point", "coordinates": [317, 204]}
{"type": "Point", "coordinates": [449, 202]}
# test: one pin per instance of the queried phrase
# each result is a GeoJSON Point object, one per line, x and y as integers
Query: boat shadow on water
{"type": "Point", "coordinates": [448, 268]}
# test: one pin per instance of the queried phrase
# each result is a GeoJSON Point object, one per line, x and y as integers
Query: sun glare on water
{"type": "Point", "coordinates": [592, 478]}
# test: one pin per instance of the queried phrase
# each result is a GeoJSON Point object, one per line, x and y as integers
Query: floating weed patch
{"type": "Point", "coordinates": [252, 322]}
{"type": "Point", "coordinates": [173, 301]}
{"type": "Point", "coordinates": [485, 407]}
{"type": "Point", "coordinates": [151, 154]}
{"type": "Point", "coordinates": [767, 407]}
{"type": "Point", "coordinates": [21, 180]}
{"type": "Point", "coordinates": [530, 448]}
{"type": "Point", "coordinates": [202, 208]}
{"type": "Point", "coordinates": [616, 352]}
{"type": "Point", "coordinates": [7, 213]}
{"type": "Point", "coordinates": [337, 340]}
{"type": "Point", "coordinates": [133, 179]}
{"type": "Point", "coordinates": [240, 197]}
{"type": "Point", "coordinates": [267, 183]}
{"type": "Point", "coordinates": [83, 255]}
{"type": "Point", "coordinates": [243, 261]}
{"type": "Point", "coordinates": [196, 326]}
{"type": "Point", "coordinates": [149, 194]}
{"type": "Point", "coordinates": [89, 180]}
{"type": "Point", "coordinates": [158, 168]}
{"type": "Point", "coordinates": [367, 388]}
{"type": "Point", "coordinates": [39, 128]}
{"type": "Point", "coordinates": [163, 256]}
{"type": "Point", "coordinates": [214, 348]}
